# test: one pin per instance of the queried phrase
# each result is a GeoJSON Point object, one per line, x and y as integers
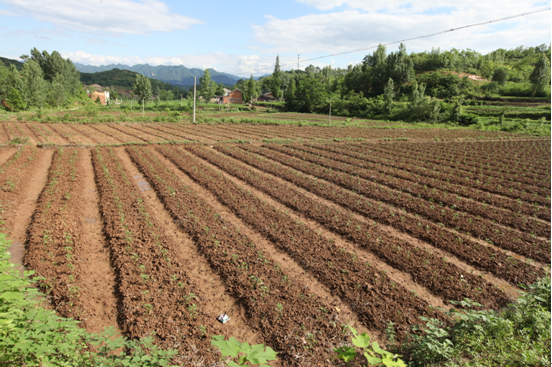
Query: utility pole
{"type": "Point", "coordinates": [194, 97]}
{"type": "Point", "coordinates": [330, 120]}
{"type": "Point", "coordinates": [298, 61]}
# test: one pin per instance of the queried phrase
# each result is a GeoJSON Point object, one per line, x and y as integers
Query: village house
{"type": "Point", "coordinates": [96, 91]}
{"type": "Point", "coordinates": [230, 97]}
{"type": "Point", "coordinates": [266, 97]}
{"type": "Point", "coordinates": [236, 96]}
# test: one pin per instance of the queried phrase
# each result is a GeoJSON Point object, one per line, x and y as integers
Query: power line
{"type": "Point", "coordinates": [409, 39]}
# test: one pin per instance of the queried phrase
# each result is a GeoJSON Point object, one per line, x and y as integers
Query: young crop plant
{"type": "Point", "coordinates": [375, 356]}
{"type": "Point", "coordinates": [243, 353]}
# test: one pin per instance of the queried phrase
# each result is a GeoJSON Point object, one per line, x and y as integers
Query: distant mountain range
{"type": "Point", "coordinates": [176, 75]}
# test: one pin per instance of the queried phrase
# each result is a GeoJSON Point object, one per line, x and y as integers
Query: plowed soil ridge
{"type": "Point", "coordinates": [216, 299]}
{"type": "Point", "coordinates": [276, 307]}
{"type": "Point", "coordinates": [431, 204]}
{"type": "Point", "coordinates": [337, 269]}
{"type": "Point", "coordinates": [421, 265]}
{"type": "Point", "coordinates": [480, 256]}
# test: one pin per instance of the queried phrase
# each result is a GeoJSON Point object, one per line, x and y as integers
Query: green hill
{"type": "Point", "coordinates": [173, 74]}
{"type": "Point", "coordinates": [124, 79]}
{"type": "Point", "coordinates": [7, 62]}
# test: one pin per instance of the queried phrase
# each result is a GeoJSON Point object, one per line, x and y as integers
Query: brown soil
{"type": "Point", "coordinates": [98, 280]}
{"type": "Point", "coordinates": [6, 153]}
{"type": "Point", "coordinates": [216, 298]}
{"type": "Point", "coordinates": [168, 237]}
{"type": "Point", "coordinates": [25, 207]}
{"type": "Point", "coordinates": [364, 256]}
{"type": "Point", "coordinates": [287, 264]}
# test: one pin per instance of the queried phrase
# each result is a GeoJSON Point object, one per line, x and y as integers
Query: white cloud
{"type": "Point", "coordinates": [8, 13]}
{"type": "Point", "coordinates": [110, 17]}
{"type": "Point", "coordinates": [413, 7]}
{"type": "Point", "coordinates": [355, 29]}
{"type": "Point", "coordinates": [241, 65]}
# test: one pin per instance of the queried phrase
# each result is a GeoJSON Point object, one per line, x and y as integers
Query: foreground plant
{"type": "Point", "coordinates": [254, 354]}
{"type": "Point", "coordinates": [518, 335]}
{"type": "Point", "coordinates": [33, 336]}
{"type": "Point", "coordinates": [375, 356]}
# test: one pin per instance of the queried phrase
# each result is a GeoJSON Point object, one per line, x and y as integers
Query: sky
{"type": "Point", "coordinates": [244, 37]}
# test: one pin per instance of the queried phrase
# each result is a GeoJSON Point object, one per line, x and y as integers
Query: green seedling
{"type": "Point", "coordinates": [257, 355]}
{"type": "Point", "coordinates": [372, 351]}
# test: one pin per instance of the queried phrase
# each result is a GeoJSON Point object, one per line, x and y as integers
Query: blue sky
{"type": "Point", "coordinates": [245, 36]}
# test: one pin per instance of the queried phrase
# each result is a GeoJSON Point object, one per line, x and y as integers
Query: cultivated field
{"type": "Point", "coordinates": [293, 231]}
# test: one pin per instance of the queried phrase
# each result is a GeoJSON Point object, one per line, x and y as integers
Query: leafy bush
{"type": "Point", "coordinates": [467, 119]}
{"type": "Point", "coordinates": [518, 335]}
{"type": "Point", "coordinates": [14, 101]}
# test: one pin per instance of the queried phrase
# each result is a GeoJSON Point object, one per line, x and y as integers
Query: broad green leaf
{"type": "Point", "coordinates": [372, 360]}
{"type": "Point", "coordinates": [362, 340]}
{"type": "Point", "coordinates": [245, 348]}
{"type": "Point", "coordinates": [260, 356]}
{"type": "Point", "coordinates": [346, 353]}
{"type": "Point", "coordinates": [390, 362]}
{"type": "Point", "coordinates": [232, 364]}
{"type": "Point", "coordinates": [12, 296]}
{"type": "Point", "coordinates": [377, 349]}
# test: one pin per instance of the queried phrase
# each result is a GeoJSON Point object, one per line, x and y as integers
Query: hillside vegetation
{"type": "Point", "coordinates": [173, 74]}
{"type": "Point", "coordinates": [124, 79]}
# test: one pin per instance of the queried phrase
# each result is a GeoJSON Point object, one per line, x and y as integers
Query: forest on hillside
{"type": "Point", "coordinates": [123, 80]}
{"type": "Point", "coordinates": [430, 86]}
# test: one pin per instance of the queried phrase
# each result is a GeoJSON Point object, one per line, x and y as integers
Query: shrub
{"type": "Point", "coordinates": [467, 119]}
{"type": "Point", "coordinates": [518, 335]}
{"type": "Point", "coordinates": [15, 101]}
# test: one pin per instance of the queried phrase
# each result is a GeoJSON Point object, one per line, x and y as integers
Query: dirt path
{"type": "Point", "coordinates": [218, 299]}
{"type": "Point", "coordinates": [6, 153]}
{"type": "Point", "coordinates": [27, 207]}
{"type": "Point", "coordinates": [99, 283]}
{"type": "Point", "coordinates": [54, 135]}
{"type": "Point", "coordinates": [296, 273]}
{"type": "Point", "coordinates": [33, 138]}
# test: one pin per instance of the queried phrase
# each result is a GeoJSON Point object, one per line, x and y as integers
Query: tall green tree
{"type": "Point", "coordinates": [379, 67]}
{"type": "Point", "coordinates": [540, 77]}
{"type": "Point", "coordinates": [276, 82]}
{"type": "Point", "coordinates": [219, 90]}
{"type": "Point", "coordinates": [4, 78]}
{"type": "Point", "coordinates": [500, 76]}
{"type": "Point", "coordinates": [56, 67]}
{"type": "Point", "coordinates": [57, 93]}
{"type": "Point", "coordinates": [15, 100]}
{"type": "Point", "coordinates": [251, 89]}
{"type": "Point", "coordinates": [389, 94]}
{"type": "Point", "coordinates": [290, 93]}
{"type": "Point", "coordinates": [35, 88]}
{"type": "Point", "coordinates": [142, 88]}
{"type": "Point", "coordinates": [310, 94]}
{"type": "Point", "coordinates": [207, 87]}
{"type": "Point", "coordinates": [399, 67]}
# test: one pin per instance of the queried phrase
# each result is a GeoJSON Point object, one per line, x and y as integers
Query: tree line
{"type": "Point", "coordinates": [421, 81]}
{"type": "Point", "coordinates": [43, 78]}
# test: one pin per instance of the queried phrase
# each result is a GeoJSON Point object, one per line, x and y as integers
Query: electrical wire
{"type": "Point", "coordinates": [410, 39]}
